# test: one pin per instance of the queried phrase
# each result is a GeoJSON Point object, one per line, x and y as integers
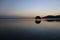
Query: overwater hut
{"type": "Point", "coordinates": [37, 17]}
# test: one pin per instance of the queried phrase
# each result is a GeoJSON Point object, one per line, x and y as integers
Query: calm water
{"type": "Point", "coordinates": [28, 29]}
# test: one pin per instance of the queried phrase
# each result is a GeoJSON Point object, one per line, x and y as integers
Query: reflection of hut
{"type": "Point", "coordinates": [37, 17]}
{"type": "Point", "coordinates": [37, 22]}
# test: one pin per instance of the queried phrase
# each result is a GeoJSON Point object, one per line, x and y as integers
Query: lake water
{"type": "Point", "coordinates": [29, 29]}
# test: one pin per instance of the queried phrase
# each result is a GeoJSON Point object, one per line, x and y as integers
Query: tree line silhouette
{"type": "Point", "coordinates": [49, 18]}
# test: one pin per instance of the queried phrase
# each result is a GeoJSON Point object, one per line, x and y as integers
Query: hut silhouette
{"type": "Point", "coordinates": [37, 17]}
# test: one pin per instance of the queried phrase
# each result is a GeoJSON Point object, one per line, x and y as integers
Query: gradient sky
{"type": "Point", "coordinates": [29, 8]}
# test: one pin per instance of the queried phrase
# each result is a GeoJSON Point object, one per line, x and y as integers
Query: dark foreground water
{"type": "Point", "coordinates": [29, 29]}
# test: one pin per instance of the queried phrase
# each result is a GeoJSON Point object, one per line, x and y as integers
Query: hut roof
{"type": "Point", "coordinates": [37, 17]}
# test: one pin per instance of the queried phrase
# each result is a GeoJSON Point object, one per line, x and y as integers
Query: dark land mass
{"type": "Point", "coordinates": [51, 16]}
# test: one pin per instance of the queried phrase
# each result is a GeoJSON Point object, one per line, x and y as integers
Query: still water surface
{"type": "Point", "coordinates": [28, 29]}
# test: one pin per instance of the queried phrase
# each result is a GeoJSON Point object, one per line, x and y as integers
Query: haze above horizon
{"type": "Point", "coordinates": [29, 8]}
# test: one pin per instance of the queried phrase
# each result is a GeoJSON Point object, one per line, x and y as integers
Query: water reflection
{"type": "Point", "coordinates": [27, 29]}
{"type": "Point", "coordinates": [52, 20]}
{"type": "Point", "coordinates": [38, 21]}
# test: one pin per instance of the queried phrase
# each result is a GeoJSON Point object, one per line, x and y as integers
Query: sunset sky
{"type": "Point", "coordinates": [29, 8]}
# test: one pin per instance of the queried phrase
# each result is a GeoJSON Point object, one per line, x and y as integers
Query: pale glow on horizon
{"type": "Point", "coordinates": [29, 8]}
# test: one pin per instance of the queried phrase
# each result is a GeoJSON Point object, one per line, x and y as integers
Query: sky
{"type": "Point", "coordinates": [29, 8]}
